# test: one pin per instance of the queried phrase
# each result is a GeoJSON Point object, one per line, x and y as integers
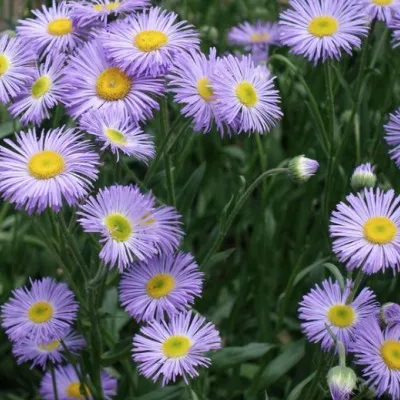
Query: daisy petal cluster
{"type": "Point", "coordinates": [382, 10]}
{"type": "Point", "coordinates": [323, 29]}
{"type": "Point", "coordinates": [392, 130]}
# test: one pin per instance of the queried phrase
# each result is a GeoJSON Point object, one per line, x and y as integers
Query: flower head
{"type": "Point", "coordinates": [363, 177]}
{"type": "Point", "coordinates": [49, 351]}
{"type": "Point", "coordinates": [321, 29]}
{"type": "Point", "coordinates": [52, 31]}
{"type": "Point", "coordinates": [91, 11]}
{"type": "Point", "coordinates": [246, 101]}
{"type": "Point", "coordinates": [118, 133]}
{"type": "Point", "coordinates": [390, 314]}
{"type": "Point", "coordinates": [395, 28]}
{"type": "Point", "coordinates": [382, 10]}
{"type": "Point", "coordinates": [44, 312]}
{"type": "Point", "coordinates": [366, 231]}
{"type": "Point", "coordinates": [341, 381]}
{"type": "Point", "coordinates": [190, 80]}
{"type": "Point", "coordinates": [69, 386]}
{"type": "Point", "coordinates": [39, 172]}
{"type": "Point", "coordinates": [44, 90]}
{"type": "Point", "coordinates": [379, 353]}
{"type": "Point", "coordinates": [301, 168]}
{"type": "Point", "coordinates": [327, 305]}
{"type": "Point", "coordinates": [103, 84]}
{"type": "Point", "coordinates": [149, 42]}
{"type": "Point", "coordinates": [130, 228]}
{"type": "Point", "coordinates": [175, 348]}
{"type": "Point", "coordinates": [392, 130]}
{"type": "Point", "coordinates": [15, 67]}
{"type": "Point", "coordinates": [165, 284]}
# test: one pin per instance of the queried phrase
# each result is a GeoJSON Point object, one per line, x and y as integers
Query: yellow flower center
{"type": "Point", "coordinates": [160, 285]}
{"type": "Point", "coordinates": [150, 40]}
{"type": "Point", "coordinates": [46, 164]}
{"type": "Point", "coordinates": [40, 312]}
{"type": "Point", "coordinates": [259, 37]}
{"type": "Point", "coordinates": [341, 315]}
{"type": "Point", "coordinates": [390, 352]}
{"type": "Point", "coordinates": [4, 64]}
{"type": "Point", "coordinates": [41, 86]}
{"type": "Point", "coordinates": [205, 90]}
{"type": "Point", "coordinates": [105, 7]}
{"type": "Point", "coordinates": [50, 346]}
{"type": "Point", "coordinates": [176, 346]}
{"type": "Point", "coordinates": [115, 136]}
{"type": "Point", "coordinates": [382, 2]}
{"type": "Point", "coordinates": [60, 27]}
{"type": "Point", "coordinates": [246, 93]}
{"type": "Point", "coordinates": [73, 390]}
{"type": "Point", "coordinates": [323, 26]}
{"type": "Point", "coordinates": [113, 84]}
{"type": "Point", "coordinates": [119, 227]}
{"type": "Point", "coordinates": [380, 230]}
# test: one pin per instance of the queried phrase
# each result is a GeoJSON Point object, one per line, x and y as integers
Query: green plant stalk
{"type": "Point", "coordinates": [167, 159]}
{"type": "Point", "coordinates": [357, 283]}
{"type": "Point", "coordinates": [53, 381]}
{"type": "Point", "coordinates": [237, 207]}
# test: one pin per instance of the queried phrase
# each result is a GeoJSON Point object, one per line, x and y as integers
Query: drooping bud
{"type": "Point", "coordinates": [390, 314]}
{"type": "Point", "coordinates": [363, 177]}
{"type": "Point", "coordinates": [341, 381]}
{"type": "Point", "coordinates": [301, 168]}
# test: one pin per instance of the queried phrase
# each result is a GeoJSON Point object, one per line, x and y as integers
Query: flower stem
{"type": "Point", "coordinates": [357, 283]}
{"type": "Point", "coordinates": [53, 380]}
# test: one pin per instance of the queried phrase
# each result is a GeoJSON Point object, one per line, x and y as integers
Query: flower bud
{"type": "Point", "coordinates": [390, 314]}
{"type": "Point", "coordinates": [363, 177]}
{"type": "Point", "coordinates": [301, 168]}
{"type": "Point", "coordinates": [342, 381]}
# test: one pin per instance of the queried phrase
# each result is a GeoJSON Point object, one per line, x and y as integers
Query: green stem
{"type": "Point", "coordinates": [263, 161]}
{"type": "Point", "coordinates": [53, 380]}
{"type": "Point", "coordinates": [167, 158]}
{"type": "Point", "coordinates": [357, 283]}
{"type": "Point", "coordinates": [224, 228]}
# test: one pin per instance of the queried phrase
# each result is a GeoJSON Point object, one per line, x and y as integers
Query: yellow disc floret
{"type": "Point", "coordinates": [341, 315]}
{"type": "Point", "coordinates": [259, 37]}
{"type": "Point", "coordinates": [60, 27]}
{"type": "Point", "coordinates": [54, 345]}
{"type": "Point", "coordinates": [246, 93]}
{"type": "Point", "coordinates": [41, 86]}
{"type": "Point", "coordinates": [73, 391]}
{"type": "Point", "coordinates": [160, 285]}
{"type": "Point", "coordinates": [119, 227]}
{"type": "Point", "coordinates": [115, 136]}
{"type": "Point", "coordinates": [390, 352]}
{"type": "Point", "coordinates": [113, 84]}
{"type": "Point", "coordinates": [382, 2]}
{"type": "Point", "coordinates": [150, 40]}
{"type": "Point", "coordinates": [323, 26]}
{"type": "Point", "coordinates": [4, 64]}
{"type": "Point", "coordinates": [205, 90]}
{"type": "Point", "coordinates": [176, 346]}
{"type": "Point", "coordinates": [380, 230]}
{"type": "Point", "coordinates": [105, 7]}
{"type": "Point", "coordinates": [40, 312]}
{"type": "Point", "coordinates": [46, 164]}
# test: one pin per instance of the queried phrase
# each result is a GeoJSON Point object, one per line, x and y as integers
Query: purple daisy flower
{"type": "Point", "coordinates": [129, 226]}
{"type": "Point", "coordinates": [366, 231]}
{"type": "Point", "coordinates": [69, 386]}
{"type": "Point", "coordinates": [379, 353]}
{"type": "Point", "coordinates": [52, 351]}
{"type": "Point", "coordinates": [44, 90]}
{"type": "Point", "coordinates": [101, 84]}
{"type": "Point", "coordinates": [261, 33]}
{"type": "Point", "coordinates": [175, 348]}
{"type": "Point", "coordinates": [327, 305]}
{"type": "Point", "coordinates": [150, 42]}
{"type": "Point", "coordinates": [395, 27]}
{"type": "Point", "coordinates": [52, 31]}
{"type": "Point", "coordinates": [390, 314]}
{"type": "Point", "coordinates": [36, 173]}
{"type": "Point", "coordinates": [246, 101]}
{"type": "Point", "coordinates": [91, 11]}
{"type": "Point", "coordinates": [392, 130]}
{"type": "Point", "coordinates": [321, 29]}
{"type": "Point", "coordinates": [382, 10]}
{"type": "Point", "coordinates": [44, 313]}
{"type": "Point", "coordinates": [15, 67]}
{"type": "Point", "coordinates": [363, 177]}
{"type": "Point", "coordinates": [165, 284]}
{"type": "Point", "coordinates": [190, 80]}
{"type": "Point", "coordinates": [118, 133]}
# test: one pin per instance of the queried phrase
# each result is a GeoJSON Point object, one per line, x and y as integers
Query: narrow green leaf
{"type": "Point", "coordinates": [167, 393]}
{"type": "Point", "coordinates": [296, 392]}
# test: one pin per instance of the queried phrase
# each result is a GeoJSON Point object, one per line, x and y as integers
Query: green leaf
{"type": "Point", "coordinates": [230, 356]}
{"type": "Point", "coordinates": [296, 392]}
{"type": "Point", "coordinates": [218, 258]}
{"type": "Point", "coordinates": [167, 393]}
{"type": "Point", "coordinates": [120, 351]}
{"type": "Point", "coordinates": [8, 128]}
